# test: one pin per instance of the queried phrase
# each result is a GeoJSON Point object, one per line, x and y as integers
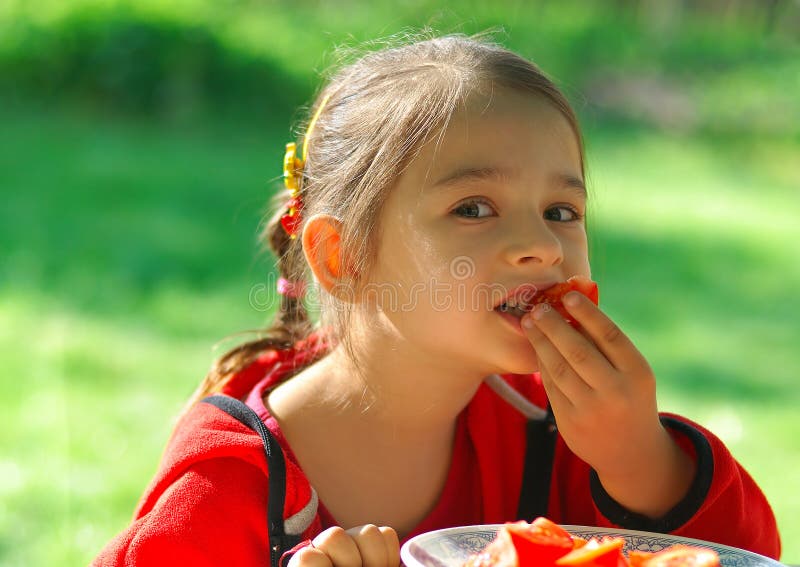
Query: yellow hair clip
{"type": "Point", "coordinates": [292, 168]}
{"type": "Point", "coordinates": [293, 174]}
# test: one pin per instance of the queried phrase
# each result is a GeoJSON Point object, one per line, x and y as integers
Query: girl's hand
{"type": "Point", "coordinates": [363, 546]}
{"type": "Point", "coordinates": [603, 395]}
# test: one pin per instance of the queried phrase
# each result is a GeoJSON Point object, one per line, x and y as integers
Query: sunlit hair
{"type": "Point", "coordinates": [380, 110]}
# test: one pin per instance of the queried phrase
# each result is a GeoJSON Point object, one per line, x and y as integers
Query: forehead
{"type": "Point", "coordinates": [503, 134]}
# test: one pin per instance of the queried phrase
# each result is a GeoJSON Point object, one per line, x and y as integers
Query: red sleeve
{"type": "Point", "coordinates": [214, 514]}
{"type": "Point", "coordinates": [723, 505]}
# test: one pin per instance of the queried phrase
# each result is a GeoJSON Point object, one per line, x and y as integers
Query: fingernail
{"type": "Point", "coordinates": [540, 310]}
{"type": "Point", "coordinates": [571, 299]}
{"type": "Point", "coordinates": [527, 322]}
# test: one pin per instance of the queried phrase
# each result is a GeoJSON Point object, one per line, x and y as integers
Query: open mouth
{"type": "Point", "coordinates": [522, 300]}
{"type": "Point", "coordinates": [516, 310]}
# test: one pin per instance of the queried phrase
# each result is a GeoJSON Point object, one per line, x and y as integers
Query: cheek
{"type": "Point", "coordinates": [446, 298]}
{"type": "Point", "coordinates": [577, 253]}
{"type": "Point", "coordinates": [463, 299]}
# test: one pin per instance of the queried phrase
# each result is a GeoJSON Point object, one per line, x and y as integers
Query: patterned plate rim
{"type": "Point", "coordinates": [408, 557]}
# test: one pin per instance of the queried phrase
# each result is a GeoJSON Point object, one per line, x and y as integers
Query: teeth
{"type": "Point", "coordinates": [514, 303]}
{"type": "Point", "coordinates": [517, 310]}
{"type": "Point", "coordinates": [521, 303]}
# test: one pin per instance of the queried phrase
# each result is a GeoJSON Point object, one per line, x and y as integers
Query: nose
{"type": "Point", "coordinates": [534, 243]}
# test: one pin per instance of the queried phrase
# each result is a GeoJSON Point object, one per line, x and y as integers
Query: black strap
{"type": "Point", "coordinates": [541, 444]}
{"type": "Point", "coordinates": [279, 540]}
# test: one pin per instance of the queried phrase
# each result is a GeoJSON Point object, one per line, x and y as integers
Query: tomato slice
{"type": "Point", "coordinates": [682, 556]}
{"type": "Point", "coordinates": [544, 543]}
{"type": "Point", "coordinates": [639, 558]}
{"type": "Point", "coordinates": [520, 544]}
{"type": "Point", "coordinates": [544, 529]}
{"type": "Point", "coordinates": [499, 553]}
{"type": "Point", "coordinates": [606, 552]}
{"type": "Point", "coordinates": [578, 541]}
{"type": "Point", "coordinates": [540, 542]}
{"type": "Point", "coordinates": [554, 295]}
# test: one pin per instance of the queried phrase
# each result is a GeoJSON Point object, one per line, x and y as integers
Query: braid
{"type": "Point", "coordinates": [291, 321]}
{"type": "Point", "coordinates": [291, 318]}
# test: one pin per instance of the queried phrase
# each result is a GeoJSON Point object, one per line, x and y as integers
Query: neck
{"type": "Point", "coordinates": [395, 388]}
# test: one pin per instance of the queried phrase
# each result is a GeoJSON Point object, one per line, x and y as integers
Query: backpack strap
{"type": "Point", "coordinates": [541, 433]}
{"type": "Point", "coordinates": [279, 540]}
{"type": "Point", "coordinates": [541, 443]}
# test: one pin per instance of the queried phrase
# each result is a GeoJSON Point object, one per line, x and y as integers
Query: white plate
{"type": "Point", "coordinates": [452, 546]}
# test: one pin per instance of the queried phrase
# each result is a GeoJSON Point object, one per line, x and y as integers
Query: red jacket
{"type": "Point", "coordinates": [207, 503]}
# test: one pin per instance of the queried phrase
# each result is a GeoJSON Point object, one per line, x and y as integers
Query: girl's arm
{"type": "Point", "coordinates": [214, 514]}
{"type": "Point", "coordinates": [648, 472]}
{"type": "Point", "coordinates": [723, 504]}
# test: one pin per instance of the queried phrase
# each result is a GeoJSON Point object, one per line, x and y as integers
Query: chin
{"type": "Point", "coordinates": [520, 364]}
{"type": "Point", "coordinates": [522, 370]}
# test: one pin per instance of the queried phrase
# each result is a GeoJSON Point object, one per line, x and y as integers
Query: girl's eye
{"type": "Point", "coordinates": [473, 210]}
{"type": "Point", "coordinates": [562, 214]}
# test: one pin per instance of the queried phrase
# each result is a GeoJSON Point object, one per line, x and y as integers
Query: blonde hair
{"type": "Point", "coordinates": [378, 111]}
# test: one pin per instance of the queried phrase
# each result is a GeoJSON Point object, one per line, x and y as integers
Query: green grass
{"type": "Point", "coordinates": [128, 252]}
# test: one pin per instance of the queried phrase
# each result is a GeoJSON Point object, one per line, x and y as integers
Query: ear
{"type": "Point", "coordinates": [321, 246]}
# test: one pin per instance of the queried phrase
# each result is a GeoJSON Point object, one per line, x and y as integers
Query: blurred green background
{"type": "Point", "coordinates": [140, 141]}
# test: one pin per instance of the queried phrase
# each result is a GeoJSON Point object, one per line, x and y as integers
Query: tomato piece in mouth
{"type": "Point", "coordinates": [554, 296]}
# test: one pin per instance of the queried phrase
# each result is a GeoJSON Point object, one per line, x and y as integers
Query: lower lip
{"type": "Point", "coordinates": [512, 320]}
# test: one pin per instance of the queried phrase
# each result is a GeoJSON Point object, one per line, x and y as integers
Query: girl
{"type": "Point", "coordinates": [440, 183]}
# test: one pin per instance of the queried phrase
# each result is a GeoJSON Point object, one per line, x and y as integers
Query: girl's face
{"type": "Point", "coordinates": [498, 204]}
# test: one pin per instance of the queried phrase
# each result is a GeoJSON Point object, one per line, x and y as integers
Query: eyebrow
{"type": "Point", "coordinates": [468, 175]}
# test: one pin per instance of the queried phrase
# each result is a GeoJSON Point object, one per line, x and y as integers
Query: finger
{"type": "Point", "coordinates": [392, 543]}
{"type": "Point", "coordinates": [370, 544]}
{"type": "Point", "coordinates": [339, 546]}
{"type": "Point", "coordinates": [579, 353]}
{"type": "Point", "coordinates": [558, 400]}
{"type": "Point", "coordinates": [556, 366]}
{"type": "Point", "coordinates": [609, 338]}
{"type": "Point", "coordinates": [310, 557]}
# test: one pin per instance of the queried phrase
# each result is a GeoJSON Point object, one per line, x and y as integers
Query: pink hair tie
{"type": "Point", "coordinates": [295, 290]}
